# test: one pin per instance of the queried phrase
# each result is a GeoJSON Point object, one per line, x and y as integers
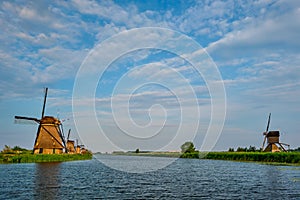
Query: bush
{"type": "Point", "coordinates": [194, 154]}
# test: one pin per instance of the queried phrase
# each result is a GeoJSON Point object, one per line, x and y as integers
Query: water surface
{"type": "Point", "coordinates": [183, 179]}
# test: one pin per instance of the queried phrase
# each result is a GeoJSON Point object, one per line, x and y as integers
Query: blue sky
{"type": "Point", "coordinates": [254, 44]}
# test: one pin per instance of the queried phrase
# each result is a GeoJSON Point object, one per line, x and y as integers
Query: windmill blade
{"type": "Point", "coordinates": [268, 123]}
{"type": "Point", "coordinates": [62, 132]}
{"type": "Point", "coordinates": [69, 134]}
{"type": "Point", "coordinates": [26, 120]}
{"type": "Point", "coordinates": [285, 144]}
{"type": "Point", "coordinates": [45, 99]}
{"type": "Point", "coordinates": [262, 148]}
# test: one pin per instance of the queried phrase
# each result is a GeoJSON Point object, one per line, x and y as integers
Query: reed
{"type": "Point", "coordinates": [278, 157]}
{"type": "Point", "coordinates": [34, 158]}
{"type": "Point", "coordinates": [267, 157]}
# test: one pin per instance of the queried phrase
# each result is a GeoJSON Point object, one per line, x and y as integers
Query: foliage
{"type": "Point", "coordinates": [194, 154]}
{"type": "Point", "coordinates": [188, 151]}
{"type": "Point", "coordinates": [31, 158]}
{"type": "Point", "coordinates": [251, 149]}
{"type": "Point", "coordinates": [298, 149]}
{"type": "Point", "coordinates": [187, 147]}
{"type": "Point", "coordinates": [245, 149]}
{"type": "Point", "coordinates": [280, 157]}
{"type": "Point", "coordinates": [21, 155]}
{"type": "Point", "coordinates": [137, 151]}
{"type": "Point", "coordinates": [6, 149]}
{"type": "Point", "coordinates": [17, 148]}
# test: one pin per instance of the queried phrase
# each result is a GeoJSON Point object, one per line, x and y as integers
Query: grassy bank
{"type": "Point", "coordinates": [279, 157]}
{"type": "Point", "coordinates": [32, 158]}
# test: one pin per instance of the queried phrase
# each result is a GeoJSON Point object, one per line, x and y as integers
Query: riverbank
{"type": "Point", "coordinates": [37, 158]}
{"type": "Point", "coordinates": [264, 157]}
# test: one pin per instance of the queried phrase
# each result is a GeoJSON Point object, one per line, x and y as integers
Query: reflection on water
{"type": "Point", "coordinates": [275, 181]}
{"type": "Point", "coordinates": [140, 164]}
{"type": "Point", "coordinates": [47, 180]}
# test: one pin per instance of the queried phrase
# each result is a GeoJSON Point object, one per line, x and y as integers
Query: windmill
{"type": "Point", "coordinates": [49, 138]}
{"type": "Point", "coordinates": [70, 144]}
{"type": "Point", "coordinates": [80, 149]}
{"type": "Point", "coordinates": [272, 138]}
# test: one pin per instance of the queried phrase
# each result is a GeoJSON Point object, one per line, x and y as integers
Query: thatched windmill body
{"type": "Point", "coordinates": [49, 138]}
{"type": "Point", "coordinates": [70, 144]}
{"type": "Point", "coordinates": [272, 138]}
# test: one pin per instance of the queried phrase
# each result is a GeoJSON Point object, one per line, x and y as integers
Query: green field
{"type": "Point", "coordinates": [33, 158]}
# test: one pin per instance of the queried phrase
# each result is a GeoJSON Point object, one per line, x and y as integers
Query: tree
{"type": "Point", "coordinates": [17, 148]}
{"type": "Point", "coordinates": [252, 149]}
{"type": "Point", "coordinates": [245, 149]}
{"type": "Point", "coordinates": [187, 147]}
{"type": "Point", "coordinates": [298, 149]}
{"type": "Point", "coordinates": [241, 149]}
{"type": "Point", "coordinates": [137, 151]}
{"type": "Point", "coordinates": [6, 149]}
{"type": "Point", "coordinates": [231, 149]}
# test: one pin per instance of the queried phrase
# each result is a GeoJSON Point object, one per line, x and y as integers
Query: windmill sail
{"type": "Point", "coordinates": [266, 133]}
{"type": "Point", "coordinates": [45, 98]}
{"type": "Point", "coordinates": [268, 123]}
{"type": "Point", "coordinates": [26, 120]}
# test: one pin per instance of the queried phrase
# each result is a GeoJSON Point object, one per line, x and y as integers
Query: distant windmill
{"type": "Point", "coordinates": [70, 144]}
{"type": "Point", "coordinates": [272, 137]}
{"type": "Point", "coordinates": [49, 138]}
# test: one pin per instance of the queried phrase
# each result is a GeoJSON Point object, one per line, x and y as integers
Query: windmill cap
{"type": "Point", "coordinates": [50, 120]}
{"type": "Point", "coordinates": [273, 134]}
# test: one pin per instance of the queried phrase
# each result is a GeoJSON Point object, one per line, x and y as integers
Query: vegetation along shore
{"type": "Point", "coordinates": [21, 155]}
{"type": "Point", "coordinates": [242, 154]}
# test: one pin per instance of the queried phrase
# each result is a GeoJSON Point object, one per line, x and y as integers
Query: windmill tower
{"type": "Point", "coordinates": [49, 138]}
{"type": "Point", "coordinates": [70, 144]}
{"type": "Point", "coordinates": [272, 138]}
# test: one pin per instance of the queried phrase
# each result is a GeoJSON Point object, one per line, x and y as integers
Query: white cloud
{"type": "Point", "coordinates": [29, 14]}
{"type": "Point", "coordinates": [206, 19]}
{"type": "Point", "coordinates": [108, 30]}
{"type": "Point", "coordinates": [64, 66]}
{"type": "Point", "coordinates": [261, 35]}
{"type": "Point", "coordinates": [106, 9]}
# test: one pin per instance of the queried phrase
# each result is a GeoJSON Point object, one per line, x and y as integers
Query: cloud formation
{"type": "Point", "coordinates": [254, 43]}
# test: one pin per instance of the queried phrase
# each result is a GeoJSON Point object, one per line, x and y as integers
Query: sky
{"type": "Point", "coordinates": [124, 75]}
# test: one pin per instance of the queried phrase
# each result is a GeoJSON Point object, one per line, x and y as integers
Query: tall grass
{"type": "Point", "coordinates": [280, 157]}
{"type": "Point", "coordinates": [31, 158]}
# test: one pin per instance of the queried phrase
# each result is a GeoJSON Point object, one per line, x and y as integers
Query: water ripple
{"type": "Point", "coordinates": [184, 179]}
